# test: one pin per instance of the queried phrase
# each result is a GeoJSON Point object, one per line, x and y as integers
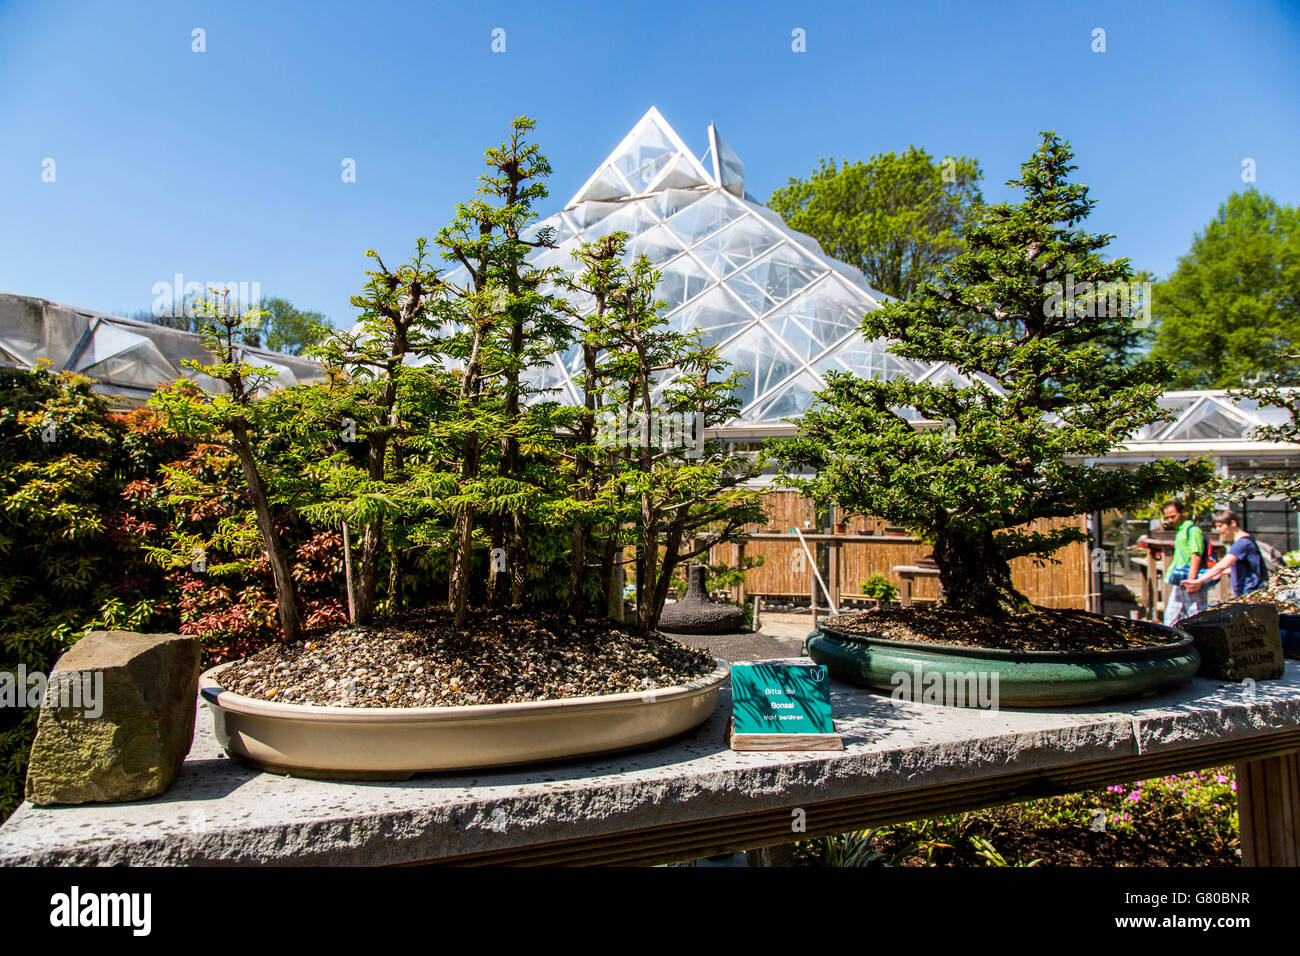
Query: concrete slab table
{"type": "Point", "coordinates": [693, 797]}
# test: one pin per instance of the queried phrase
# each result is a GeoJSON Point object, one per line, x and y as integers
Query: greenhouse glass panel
{"type": "Point", "coordinates": [589, 213]}
{"type": "Point", "coordinates": [633, 218]}
{"type": "Point", "coordinates": [775, 277]}
{"type": "Point", "coordinates": [679, 174]}
{"type": "Point", "coordinates": [1209, 419]}
{"type": "Point", "coordinates": [646, 152]}
{"type": "Point", "coordinates": [683, 279]}
{"type": "Point", "coordinates": [789, 399]}
{"type": "Point", "coordinates": [657, 244]}
{"type": "Point", "coordinates": [822, 314]}
{"type": "Point", "coordinates": [672, 201]}
{"type": "Point", "coordinates": [761, 357]}
{"type": "Point", "coordinates": [705, 217]}
{"type": "Point", "coordinates": [607, 185]}
{"type": "Point", "coordinates": [717, 313]}
{"type": "Point", "coordinates": [739, 244]}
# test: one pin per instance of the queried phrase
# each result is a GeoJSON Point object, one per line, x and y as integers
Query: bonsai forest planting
{"type": "Point", "coordinates": [489, 528]}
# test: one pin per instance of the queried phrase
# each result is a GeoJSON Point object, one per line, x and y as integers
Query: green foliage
{"type": "Point", "coordinates": [897, 218]}
{"type": "Point", "coordinates": [1231, 310]}
{"type": "Point", "coordinates": [1191, 818]}
{"type": "Point", "coordinates": [286, 328]}
{"type": "Point", "coordinates": [1272, 393]}
{"type": "Point", "coordinates": [680, 494]}
{"type": "Point", "coordinates": [880, 587]}
{"type": "Point", "coordinates": [973, 460]}
{"type": "Point", "coordinates": [67, 558]}
{"type": "Point", "coordinates": [239, 418]}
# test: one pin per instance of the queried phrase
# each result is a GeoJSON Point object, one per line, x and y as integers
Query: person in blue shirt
{"type": "Point", "coordinates": [1243, 558]}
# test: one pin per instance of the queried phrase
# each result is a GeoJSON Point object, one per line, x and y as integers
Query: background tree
{"type": "Point", "coordinates": [1043, 393]}
{"type": "Point", "coordinates": [283, 327]}
{"type": "Point", "coordinates": [1231, 309]}
{"type": "Point", "coordinates": [897, 218]}
{"type": "Point", "coordinates": [1272, 392]}
{"type": "Point", "coordinates": [288, 329]}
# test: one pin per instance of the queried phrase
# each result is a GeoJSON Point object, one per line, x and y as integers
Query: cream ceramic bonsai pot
{"type": "Point", "coordinates": [392, 743]}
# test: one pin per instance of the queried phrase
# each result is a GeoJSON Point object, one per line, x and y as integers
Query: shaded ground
{"type": "Point", "coordinates": [741, 647]}
{"type": "Point", "coordinates": [1181, 820]}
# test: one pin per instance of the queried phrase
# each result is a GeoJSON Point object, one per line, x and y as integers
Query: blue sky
{"type": "Point", "coordinates": [225, 165]}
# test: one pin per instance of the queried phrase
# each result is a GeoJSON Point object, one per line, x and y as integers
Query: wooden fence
{"type": "Point", "coordinates": [869, 547]}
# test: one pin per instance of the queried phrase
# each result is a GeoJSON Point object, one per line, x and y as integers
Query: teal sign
{"type": "Point", "coordinates": [780, 699]}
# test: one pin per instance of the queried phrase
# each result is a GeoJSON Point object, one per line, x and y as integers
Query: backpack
{"type": "Point", "coordinates": [1270, 555]}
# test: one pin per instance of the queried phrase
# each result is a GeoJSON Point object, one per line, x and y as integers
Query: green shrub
{"type": "Point", "coordinates": [880, 587]}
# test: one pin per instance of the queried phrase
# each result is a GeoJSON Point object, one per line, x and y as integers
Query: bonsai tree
{"type": "Point", "coordinates": [400, 314]}
{"type": "Point", "coordinates": [505, 325]}
{"type": "Point", "coordinates": [686, 492]}
{"type": "Point", "coordinates": [1025, 317]}
{"type": "Point", "coordinates": [880, 588]}
{"type": "Point", "coordinates": [235, 418]}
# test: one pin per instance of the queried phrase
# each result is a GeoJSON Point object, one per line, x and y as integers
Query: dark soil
{"type": "Point", "coordinates": [1076, 846]}
{"type": "Point", "coordinates": [1041, 629]}
{"type": "Point", "coordinates": [506, 656]}
{"type": "Point", "coordinates": [1071, 846]}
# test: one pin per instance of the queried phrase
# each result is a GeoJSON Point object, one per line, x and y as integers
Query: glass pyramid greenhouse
{"type": "Point", "coordinates": [780, 309]}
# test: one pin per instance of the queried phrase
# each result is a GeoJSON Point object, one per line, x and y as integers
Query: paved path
{"type": "Point", "coordinates": [742, 647]}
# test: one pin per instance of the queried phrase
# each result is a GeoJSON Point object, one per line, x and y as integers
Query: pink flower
{"type": "Point", "coordinates": [1234, 786]}
{"type": "Point", "coordinates": [1135, 796]}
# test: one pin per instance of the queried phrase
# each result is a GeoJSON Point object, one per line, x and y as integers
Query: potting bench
{"type": "Point", "coordinates": [693, 797]}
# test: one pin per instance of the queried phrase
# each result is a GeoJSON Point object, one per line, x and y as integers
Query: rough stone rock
{"type": "Point", "coordinates": [697, 613]}
{"type": "Point", "coordinates": [117, 721]}
{"type": "Point", "coordinates": [1237, 641]}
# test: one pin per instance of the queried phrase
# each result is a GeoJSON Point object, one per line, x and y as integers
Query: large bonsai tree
{"type": "Point", "coordinates": [1024, 317]}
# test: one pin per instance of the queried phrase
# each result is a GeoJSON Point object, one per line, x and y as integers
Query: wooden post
{"type": "Point", "coordinates": [812, 583]}
{"type": "Point", "coordinates": [833, 572]}
{"type": "Point", "coordinates": [738, 592]}
{"type": "Point", "coordinates": [1268, 806]}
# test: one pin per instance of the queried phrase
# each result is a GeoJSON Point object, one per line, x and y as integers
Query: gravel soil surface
{"type": "Point", "coordinates": [506, 656]}
{"type": "Point", "coordinates": [1042, 629]}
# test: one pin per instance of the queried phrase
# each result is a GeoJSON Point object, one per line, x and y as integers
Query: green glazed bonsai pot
{"type": "Point", "coordinates": [992, 678]}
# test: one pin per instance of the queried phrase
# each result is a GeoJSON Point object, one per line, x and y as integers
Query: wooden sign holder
{"type": "Point", "coordinates": [781, 741]}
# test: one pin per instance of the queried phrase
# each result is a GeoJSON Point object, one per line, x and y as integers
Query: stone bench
{"type": "Point", "coordinates": [694, 797]}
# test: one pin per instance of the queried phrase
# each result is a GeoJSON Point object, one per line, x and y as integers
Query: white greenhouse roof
{"type": "Point", "coordinates": [126, 357]}
{"type": "Point", "coordinates": [780, 309]}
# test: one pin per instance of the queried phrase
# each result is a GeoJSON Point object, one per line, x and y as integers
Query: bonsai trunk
{"type": "Point", "coordinates": [975, 576]}
{"type": "Point", "coordinates": [285, 598]}
{"type": "Point", "coordinates": [464, 537]}
{"type": "Point", "coordinates": [372, 540]}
